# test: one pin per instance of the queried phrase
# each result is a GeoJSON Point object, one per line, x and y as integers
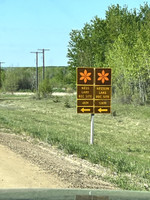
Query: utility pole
{"type": "Point", "coordinates": [43, 51]}
{"type": "Point", "coordinates": [0, 73]}
{"type": "Point", "coordinates": [37, 80]}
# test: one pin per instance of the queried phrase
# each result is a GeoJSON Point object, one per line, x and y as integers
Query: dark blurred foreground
{"type": "Point", "coordinates": [71, 194]}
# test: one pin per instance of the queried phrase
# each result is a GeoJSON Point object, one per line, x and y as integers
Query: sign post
{"type": "Point", "coordinates": [93, 92]}
{"type": "Point", "coordinates": [92, 129]}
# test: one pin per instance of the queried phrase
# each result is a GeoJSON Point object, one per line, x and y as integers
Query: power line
{"type": "Point", "coordinates": [37, 80]}
{"type": "Point", "coordinates": [0, 73]}
{"type": "Point", "coordinates": [43, 51]}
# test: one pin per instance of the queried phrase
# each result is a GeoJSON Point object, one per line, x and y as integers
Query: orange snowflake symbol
{"type": "Point", "coordinates": [85, 76]}
{"type": "Point", "coordinates": [103, 76]}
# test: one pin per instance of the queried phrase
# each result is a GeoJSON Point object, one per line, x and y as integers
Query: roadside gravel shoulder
{"type": "Point", "coordinates": [71, 170]}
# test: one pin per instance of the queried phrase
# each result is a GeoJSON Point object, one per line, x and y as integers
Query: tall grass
{"type": "Point", "coordinates": [121, 142]}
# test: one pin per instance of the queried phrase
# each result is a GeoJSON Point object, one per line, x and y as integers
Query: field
{"type": "Point", "coordinates": [121, 141]}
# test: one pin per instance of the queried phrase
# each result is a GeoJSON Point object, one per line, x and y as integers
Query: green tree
{"type": "Point", "coordinates": [120, 41]}
{"type": "Point", "coordinates": [10, 83]}
{"type": "Point", "coordinates": [25, 79]}
{"type": "Point", "coordinates": [120, 60]}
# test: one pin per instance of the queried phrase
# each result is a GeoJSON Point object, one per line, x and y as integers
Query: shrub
{"type": "Point", "coordinates": [56, 99]}
{"type": "Point", "coordinates": [67, 102]}
{"type": "Point", "coordinates": [45, 88]}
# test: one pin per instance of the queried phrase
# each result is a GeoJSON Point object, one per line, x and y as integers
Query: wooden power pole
{"type": "Point", "coordinates": [43, 51]}
{"type": "Point", "coordinates": [37, 75]}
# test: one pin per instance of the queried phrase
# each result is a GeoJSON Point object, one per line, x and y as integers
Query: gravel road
{"type": "Point", "coordinates": [17, 172]}
{"type": "Point", "coordinates": [28, 163]}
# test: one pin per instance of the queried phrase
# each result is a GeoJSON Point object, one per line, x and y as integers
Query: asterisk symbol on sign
{"type": "Point", "coordinates": [103, 76]}
{"type": "Point", "coordinates": [85, 76]}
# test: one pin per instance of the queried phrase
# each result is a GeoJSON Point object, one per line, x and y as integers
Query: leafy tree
{"type": "Point", "coordinates": [26, 79]}
{"type": "Point", "coordinates": [11, 81]}
{"type": "Point", "coordinates": [120, 41]}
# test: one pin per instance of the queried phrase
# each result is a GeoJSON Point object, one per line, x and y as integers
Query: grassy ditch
{"type": "Point", "coordinates": [121, 142]}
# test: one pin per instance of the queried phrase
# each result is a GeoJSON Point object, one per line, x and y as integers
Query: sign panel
{"type": "Point", "coordinates": [103, 76]}
{"type": "Point", "coordinates": [85, 92]}
{"type": "Point", "coordinates": [102, 92]}
{"type": "Point", "coordinates": [102, 109]}
{"type": "Point", "coordinates": [85, 76]}
{"type": "Point", "coordinates": [85, 109]}
{"type": "Point", "coordinates": [102, 102]}
{"type": "Point", "coordinates": [85, 102]}
{"type": "Point", "coordinates": [93, 90]}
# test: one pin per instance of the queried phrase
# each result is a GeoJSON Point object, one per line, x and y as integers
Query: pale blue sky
{"type": "Point", "coordinates": [27, 25]}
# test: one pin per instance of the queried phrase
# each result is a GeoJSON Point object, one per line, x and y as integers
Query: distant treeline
{"type": "Point", "coordinates": [121, 41]}
{"type": "Point", "coordinates": [24, 78]}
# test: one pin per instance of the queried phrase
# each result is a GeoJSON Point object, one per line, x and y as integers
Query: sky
{"type": "Point", "coordinates": [28, 25]}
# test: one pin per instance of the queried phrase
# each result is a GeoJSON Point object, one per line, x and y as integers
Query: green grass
{"type": "Point", "coordinates": [121, 142]}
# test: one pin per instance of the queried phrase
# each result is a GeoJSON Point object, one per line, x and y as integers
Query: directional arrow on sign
{"type": "Point", "coordinates": [102, 110]}
{"type": "Point", "coordinates": [84, 110]}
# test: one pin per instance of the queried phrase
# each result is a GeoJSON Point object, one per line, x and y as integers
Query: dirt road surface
{"type": "Point", "coordinates": [16, 172]}
{"type": "Point", "coordinates": [28, 163]}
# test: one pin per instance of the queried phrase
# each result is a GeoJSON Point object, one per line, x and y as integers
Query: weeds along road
{"type": "Point", "coordinates": [28, 163]}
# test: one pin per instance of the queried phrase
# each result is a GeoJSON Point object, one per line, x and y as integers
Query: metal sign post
{"type": "Point", "coordinates": [92, 129]}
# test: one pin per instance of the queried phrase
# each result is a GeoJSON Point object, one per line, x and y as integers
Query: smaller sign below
{"type": "Point", "coordinates": [84, 92]}
{"type": "Point", "coordinates": [102, 92]}
{"type": "Point", "coordinates": [102, 102]}
{"type": "Point", "coordinates": [85, 102]}
{"type": "Point", "coordinates": [102, 109]}
{"type": "Point", "coordinates": [85, 109]}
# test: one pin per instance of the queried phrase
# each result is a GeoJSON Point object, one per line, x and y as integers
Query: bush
{"type": "Point", "coordinates": [67, 102]}
{"type": "Point", "coordinates": [56, 99]}
{"type": "Point", "coordinates": [69, 90]}
{"type": "Point", "coordinates": [45, 88]}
